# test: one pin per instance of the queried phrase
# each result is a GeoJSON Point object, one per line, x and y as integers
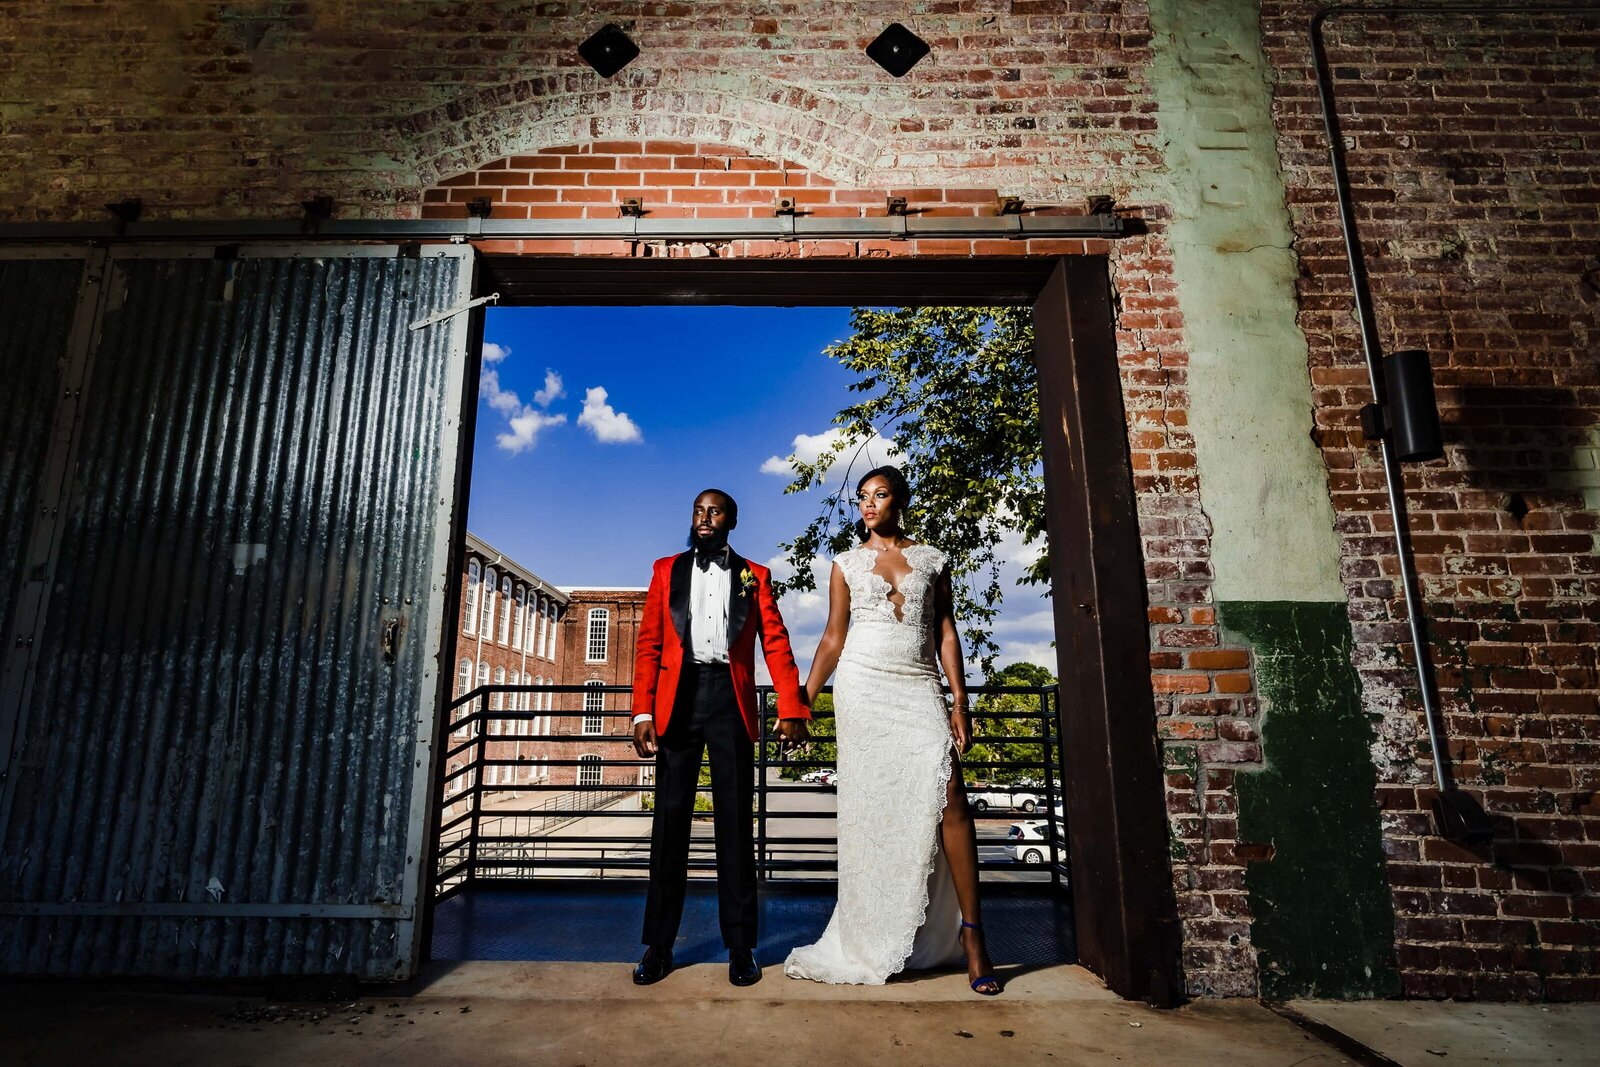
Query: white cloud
{"type": "Point", "coordinates": [809, 447]}
{"type": "Point", "coordinates": [1039, 652]}
{"type": "Point", "coordinates": [1011, 549]}
{"type": "Point", "coordinates": [525, 422]}
{"type": "Point", "coordinates": [1035, 622]}
{"type": "Point", "coordinates": [525, 429]}
{"type": "Point", "coordinates": [502, 400]}
{"type": "Point", "coordinates": [553, 389]}
{"type": "Point", "coordinates": [608, 425]}
{"type": "Point", "coordinates": [493, 353]}
{"type": "Point", "coordinates": [776, 465]}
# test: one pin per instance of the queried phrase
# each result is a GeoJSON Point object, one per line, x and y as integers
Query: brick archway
{"type": "Point", "coordinates": [749, 112]}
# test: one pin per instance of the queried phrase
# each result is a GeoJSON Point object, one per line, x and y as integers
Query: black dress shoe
{"type": "Point", "coordinates": [656, 965]}
{"type": "Point", "coordinates": [742, 967]}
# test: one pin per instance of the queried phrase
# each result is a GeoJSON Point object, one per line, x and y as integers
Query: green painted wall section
{"type": "Point", "coordinates": [1324, 924]}
{"type": "Point", "coordinates": [1262, 479]}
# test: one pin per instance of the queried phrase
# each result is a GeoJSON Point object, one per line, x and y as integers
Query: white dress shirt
{"type": "Point", "coordinates": [708, 614]}
{"type": "Point", "coordinates": [708, 610]}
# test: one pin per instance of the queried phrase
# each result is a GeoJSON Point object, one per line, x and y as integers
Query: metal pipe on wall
{"type": "Point", "coordinates": [1457, 815]}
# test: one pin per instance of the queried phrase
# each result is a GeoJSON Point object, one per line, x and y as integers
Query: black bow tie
{"type": "Point", "coordinates": [703, 560]}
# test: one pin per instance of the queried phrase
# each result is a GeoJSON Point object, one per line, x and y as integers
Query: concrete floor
{"type": "Point", "coordinates": [570, 1014]}
{"type": "Point", "coordinates": [1465, 1035]}
{"type": "Point", "coordinates": [591, 1014]}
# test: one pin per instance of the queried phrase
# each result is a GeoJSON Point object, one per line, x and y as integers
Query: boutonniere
{"type": "Point", "coordinates": [747, 581]}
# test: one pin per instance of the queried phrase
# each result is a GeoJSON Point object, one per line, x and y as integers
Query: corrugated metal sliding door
{"type": "Point", "coordinates": [224, 731]}
{"type": "Point", "coordinates": [39, 292]}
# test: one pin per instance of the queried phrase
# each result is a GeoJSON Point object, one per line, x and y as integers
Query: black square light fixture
{"type": "Point", "coordinates": [608, 50]}
{"type": "Point", "coordinates": [897, 49]}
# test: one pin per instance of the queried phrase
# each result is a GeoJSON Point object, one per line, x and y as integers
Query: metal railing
{"type": "Point", "coordinates": [558, 808]}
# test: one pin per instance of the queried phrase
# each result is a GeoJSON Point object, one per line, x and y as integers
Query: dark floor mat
{"type": "Point", "coordinates": [600, 924]}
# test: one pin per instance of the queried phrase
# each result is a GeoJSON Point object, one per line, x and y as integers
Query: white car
{"type": "Point", "coordinates": [1004, 797]}
{"type": "Point", "coordinates": [820, 776]}
{"type": "Point", "coordinates": [1028, 842]}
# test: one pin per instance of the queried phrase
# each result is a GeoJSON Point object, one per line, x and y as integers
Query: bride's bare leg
{"type": "Point", "coordinates": [959, 838]}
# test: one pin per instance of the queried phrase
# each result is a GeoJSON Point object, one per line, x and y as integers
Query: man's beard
{"type": "Point", "coordinates": [710, 543]}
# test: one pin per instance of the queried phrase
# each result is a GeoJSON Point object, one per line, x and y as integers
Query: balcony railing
{"type": "Point", "coordinates": [525, 799]}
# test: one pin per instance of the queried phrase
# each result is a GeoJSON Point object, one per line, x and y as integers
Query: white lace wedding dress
{"type": "Point", "coordinates": [897, 906]}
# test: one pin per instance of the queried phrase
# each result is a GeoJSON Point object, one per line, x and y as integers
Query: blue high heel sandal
{"type": "Point", "coordinates": [978, 981]}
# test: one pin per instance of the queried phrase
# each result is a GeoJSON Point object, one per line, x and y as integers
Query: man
{"type": "Point", "coordinates": [694, 691]}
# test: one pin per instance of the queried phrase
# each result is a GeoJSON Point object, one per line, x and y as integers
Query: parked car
{"type": "Point", "coordinates": [982, 798]}
{"type": "Point", "coordinates": [1029, 843]}
{"type": "Point", "coordinates": [819, 776]}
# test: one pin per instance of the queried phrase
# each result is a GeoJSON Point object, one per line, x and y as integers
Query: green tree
{"type": "Point", "coordinates": [990, 742]}
{"type": "Point", "coordinates": [956, 391]}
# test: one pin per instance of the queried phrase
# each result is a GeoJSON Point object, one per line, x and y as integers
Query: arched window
{"type": "Point", "coordinates": [483, 679]}
{"type": "Point", "coordinates": [535, 610]}
{"type": "Point", "coordinates": [599, 642]}
{"type": "Point", "coordinates": [464, 678]}
{"type": "Point", "coordinates": [550, 631]}
{"type": "Point", "coordinates": [487, 615]}
{"type": "Point", "coordinates": [538, 628]}
{"type": "Point", "coordinates": [469, 616]}
{"type": "Point", "coordinates": [594, 706]}
{"type": "Point", "coordinates": [497, 699]}
{"type": "Point", "coordinates": [589, 769]}
{"type": "Point", "coordinates": [505, 610]}
{"type": "Point", "coordinates": [513, 702]}
{"type": "Point", "coordinates": [522, 617]}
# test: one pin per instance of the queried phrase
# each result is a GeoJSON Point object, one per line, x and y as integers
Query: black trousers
{"type": "Point", "coordinates": [705, 720]}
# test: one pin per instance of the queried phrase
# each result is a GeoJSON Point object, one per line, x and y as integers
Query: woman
{"type": "Point", "coordinates": [908, 856]}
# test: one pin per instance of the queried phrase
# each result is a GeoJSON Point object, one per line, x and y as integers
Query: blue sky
{"type": "Point", "coordinates": [598, 425]}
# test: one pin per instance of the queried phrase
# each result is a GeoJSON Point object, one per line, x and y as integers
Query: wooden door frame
{"type": "Point", "coordinates": [1124, 903]}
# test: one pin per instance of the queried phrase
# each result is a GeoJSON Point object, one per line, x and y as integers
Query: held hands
{"type": "Point", "coordinates": [792, 733]}
{"type": "Point", "coordinates": [644, 738]}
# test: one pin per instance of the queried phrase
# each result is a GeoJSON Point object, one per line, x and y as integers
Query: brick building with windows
{"type": "Point", "coordinates": [516, 628]}
{"type": "Point", "coordinates": [508, 632]}
{"type": "Point", "coordinates": [598, 650]}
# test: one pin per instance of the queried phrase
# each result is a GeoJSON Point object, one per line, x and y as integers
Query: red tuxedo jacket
{"type": "Point", "coordinates": [658, 663]}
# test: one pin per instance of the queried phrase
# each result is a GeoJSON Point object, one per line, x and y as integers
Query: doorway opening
{"type": "Point", "coordinates": [607, 391]}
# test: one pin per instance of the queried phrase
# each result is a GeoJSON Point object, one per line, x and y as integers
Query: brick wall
{"type": "Point", "coordinates": [216, 110]}
{"type": "Point", "coordinates": [1474, 148]}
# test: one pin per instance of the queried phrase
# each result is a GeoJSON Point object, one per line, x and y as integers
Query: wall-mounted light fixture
{"type": "Point", "coordinates": [1404, 421]}
{"type": "Point", "coordinates": [608, 50]}
{"type": "Point", "coordinates": [126, 210]}
{"type": "Point", "coordinates": [1409, 416]}
{"type": "Point", "coordinates": [897, 49]}
{"type": "Point", "coordinates": [318, 208]}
